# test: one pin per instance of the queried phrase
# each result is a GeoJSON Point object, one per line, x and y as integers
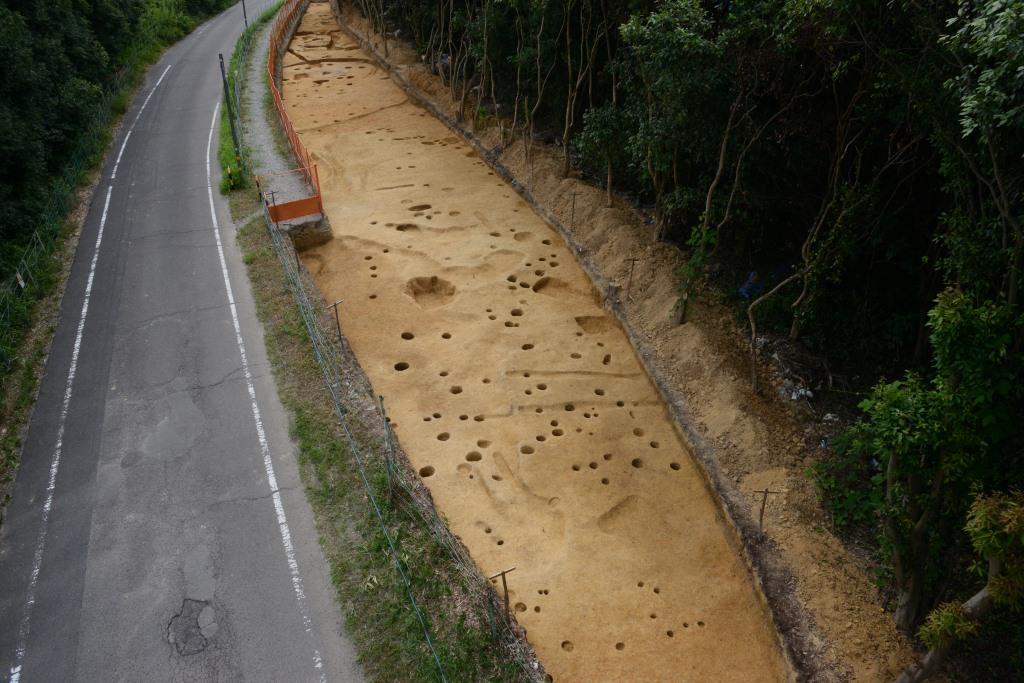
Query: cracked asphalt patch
{"type": "Point", "coordinates": [191, 629]}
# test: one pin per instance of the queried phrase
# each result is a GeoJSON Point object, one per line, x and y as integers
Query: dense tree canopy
{"type": "Point", "coordinates": [59, 56]}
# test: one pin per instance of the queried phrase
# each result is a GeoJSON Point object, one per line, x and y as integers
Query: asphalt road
{"type": "Point", "coordinates": [158, 529]}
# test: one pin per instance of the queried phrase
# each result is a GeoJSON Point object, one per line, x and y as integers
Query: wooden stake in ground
{"type": "Point", "coordinates": [629, 282]}
{"type": "Point", "coordinates": [337, 322]}
{"type": "Point", "coordinates": [504, 585]}
{"type": "Point", "coordinates": [389, 451]}
{"type": "Point", "coordinates": [764, 502]}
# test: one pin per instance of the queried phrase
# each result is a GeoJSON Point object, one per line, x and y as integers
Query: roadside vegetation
{"type": "Point", "coordinates": [235, 170]}
{"type": "Point", "coordinates": [70, 70]}
{"type": "Point", "coordinates": [849, 176]}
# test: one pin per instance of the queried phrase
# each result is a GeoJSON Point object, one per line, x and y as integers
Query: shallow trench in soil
{"type": "Point", "coordinates": [518, 399]}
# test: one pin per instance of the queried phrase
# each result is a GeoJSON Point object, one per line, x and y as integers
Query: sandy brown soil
{"type": "Point", "coordinates": [515, 394]}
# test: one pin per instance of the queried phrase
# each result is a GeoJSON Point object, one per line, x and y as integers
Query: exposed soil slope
{"type": "Point", "coordinates": [517, 397]}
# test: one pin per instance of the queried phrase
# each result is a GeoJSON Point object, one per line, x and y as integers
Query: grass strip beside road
{"type": "Point", "coordinates": [234, 174]}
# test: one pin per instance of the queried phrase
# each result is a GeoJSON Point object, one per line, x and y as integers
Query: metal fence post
{"type": "Point", "coordinates": [231, 116]}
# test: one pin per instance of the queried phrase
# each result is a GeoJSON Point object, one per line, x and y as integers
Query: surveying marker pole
{"type": "Point", "coordinates": [245, 15]}
{"type": "Point", "coordinates": [629, 282]}
{"type": "Point", "coordinates": [764, 503]}
{"type": "Point", "coordinates": [336, 320]}
{"type": "Point", "coordinates": [504, 585]}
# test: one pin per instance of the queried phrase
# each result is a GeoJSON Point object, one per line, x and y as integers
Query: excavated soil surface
{"type": "Point", "coordinates": [517, 398]}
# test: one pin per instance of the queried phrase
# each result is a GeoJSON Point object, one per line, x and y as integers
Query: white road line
{"type": "Point", "coordinates": [51, 484]}
{"type": "Point", "coordinates": [268, 463]}
{"type": "Point", "coordinates": [124, 143]}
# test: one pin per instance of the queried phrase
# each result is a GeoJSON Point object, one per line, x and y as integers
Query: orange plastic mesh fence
{"type": "Point", "coordinates": [286, 18]}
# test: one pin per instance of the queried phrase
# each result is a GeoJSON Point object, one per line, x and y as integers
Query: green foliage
{"type": "Point", "coordinates": [995, 524]}
{"type": "Point", "coordinates": [674, 75]}
{"type": "Point", "coordinates": [61, 61]}
{"type": "Point", "coordinates": [233, 174]}
{"type": "Point", "coordinates": [983, 144]}
{"type": "Point", "coordinates": [69, 69]}
{"type": "Point", "coordinates": [996, 527]}
{"type": "Point", "coordinates": [166, 20]}
{"type": "Point", "coordinates": [601, 142]}
{"type": "Point", "coordinates": [940, 440]}
{"type": "Point", "coordinates": [989, 39]}
{"type": "Point", "coordinates": [849, 483]}
{"type": "Point", "coordinates": [947, 624]}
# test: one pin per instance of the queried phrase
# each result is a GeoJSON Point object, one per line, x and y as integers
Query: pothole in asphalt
{"type": "Point", "coordinates": [189, 631]}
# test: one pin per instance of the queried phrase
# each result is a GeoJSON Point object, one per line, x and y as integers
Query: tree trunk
{"type": "Point", "coordinates": [520, 40]}
{"type": "Point", "coordinates": [798, 309]}
{"type": "Point", "coordinates": [753, 327]}
{"type": "Point", "coordinates": [566, 165]}
{"type": "Point", "coordinates": [908, 604]}
{"type": "Point", "coordinates": [925, 668]}
{"type": "Point", "coordinates": [608, 184]}
{"type": "Point", "coordinates": [723, 149]}
{"type": "Point", "coordinates": [910, 567]}
{"type": "Point", "coordinates": [569, 99]}
{"type": "Point", "coordinates": [1015, 268]}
